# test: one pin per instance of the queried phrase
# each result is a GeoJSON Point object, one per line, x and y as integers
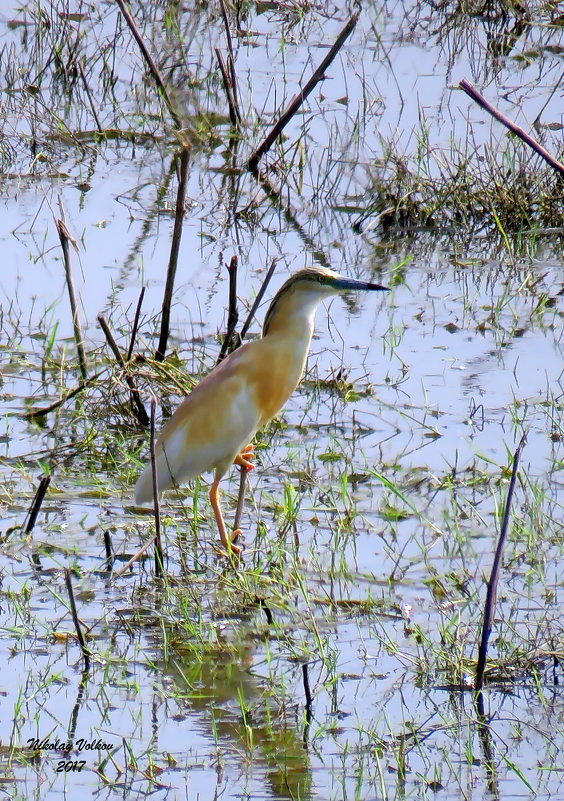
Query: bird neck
{"type": "Point", "coordinates": [293, 318]}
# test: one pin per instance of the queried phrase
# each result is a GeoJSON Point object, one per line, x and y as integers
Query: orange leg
{"type": "Point", "coordinates": [227, 541]}
{"type": "Point", "coordinates": [243, 459]}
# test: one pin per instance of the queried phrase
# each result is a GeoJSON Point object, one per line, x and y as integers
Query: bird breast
{"type": "Point", "coordinates": [224, 411]}
{"type": "Point", "coordinates": [274, 371]}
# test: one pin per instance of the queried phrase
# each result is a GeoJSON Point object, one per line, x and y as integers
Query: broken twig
{"type": "Point", "coordinates": [158, 544]}
{"type": "Point", "coordinates": [231, 341]}
{"type": "Point", "coordinates": [472, 92]}
{"type": "Point", "coordinates": [36, 503]}
{"type": "Point", "coordinates": [153, 69]}
{"type": "Point", "coordinates": [174, 251]}
{"type": "Point", "coordinates": [66, 239]}
{"type": "Point", "coordinates": [136, 403]}
{"type": "Point", "coordinates": [299, 98]}
{"type": "Point", "coordinates": [135, 324]}
{"type": "Point", "coordinates": [134, 558]}
{"type": "Point", "coordinates": [492, 583]}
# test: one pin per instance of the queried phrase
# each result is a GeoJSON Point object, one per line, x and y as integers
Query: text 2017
{"type": "Point", "coordinates": [65, 766]}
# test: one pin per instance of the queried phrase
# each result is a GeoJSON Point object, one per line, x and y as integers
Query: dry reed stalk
{"type": "Point", "coordinates": [494, 576]}
{"type": "Point", "coordinates": [298, 99]}
{"type": "Point", "coordinates": [174, 251]}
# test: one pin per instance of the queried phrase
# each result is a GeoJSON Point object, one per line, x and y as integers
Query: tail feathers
{"type": "Point", "coordinates": [144, 486]}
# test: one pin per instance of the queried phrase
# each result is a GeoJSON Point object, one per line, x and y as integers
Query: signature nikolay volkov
{"type": "Point", "coordinates": [81, 744]}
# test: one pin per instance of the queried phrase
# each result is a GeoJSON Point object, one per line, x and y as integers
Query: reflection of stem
{"type": "Point", "coordinates": [71, 730]}
{"type": "Point", "coordinates": [150, 215]}
{"type": "Point", "coordinates": [274, 196]}
{"type": "Point", "coordinates": [108, 547]}
{"type": "Point", "coordinates": [79, 634]}
{"type": "Point", "coordinates": [485, 736]}
{"type": "Point", "coordinates": [234, 115]}
{"type": "Point", "coordinates": [266, 609]}
{"type": "Point", "coordinates": [308, 701]}
{"type": "Point", "coordinates": [90, 98]}
{"type": "Point", "coordinates": [230, 78]}
{"type": "Point", "coordinates": [36, 414]}
{"type": "Point", "coordinates": [492, 583]}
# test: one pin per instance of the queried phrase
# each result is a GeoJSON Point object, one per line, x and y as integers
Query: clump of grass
{"type": "Point", "coordinates": [478, 189]}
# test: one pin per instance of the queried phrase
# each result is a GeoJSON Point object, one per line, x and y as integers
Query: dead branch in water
{"type": "Point", "coordinates": [299, 98]}
{"type": "Point", "coordinates": [472, 92]}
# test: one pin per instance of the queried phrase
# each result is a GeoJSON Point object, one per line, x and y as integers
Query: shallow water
{"type": "Point", "coordinates": [377, 587]}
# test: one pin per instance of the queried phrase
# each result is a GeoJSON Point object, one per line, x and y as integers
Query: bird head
{"type": "Point", "coordinates": [306, 288]}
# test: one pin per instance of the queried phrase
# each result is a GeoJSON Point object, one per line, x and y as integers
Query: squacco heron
{"type": "Point", "coordinates": [213, 425]}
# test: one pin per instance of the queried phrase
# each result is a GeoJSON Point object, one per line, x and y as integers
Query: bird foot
{"type": "Point", "coordinates": [235, 536]}
{"type": "Point", "coordinates": [231, 549]}
{"type": "Point", "coordinates": [245, 458]}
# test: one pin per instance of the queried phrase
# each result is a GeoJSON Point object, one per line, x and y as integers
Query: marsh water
{"type": "Point", "coordinates": [373, 513]}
